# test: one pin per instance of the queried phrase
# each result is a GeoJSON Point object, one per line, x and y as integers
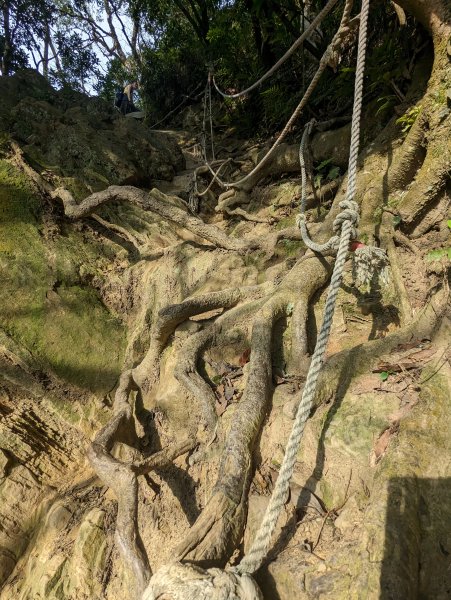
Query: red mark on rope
{"type": "Point", "coordinates": [354, 245]}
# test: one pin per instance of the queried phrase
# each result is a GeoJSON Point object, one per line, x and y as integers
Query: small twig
{"type": "Point", "coordinates": [333, 510]}
{"type": "Point", "coordinates": [327, 515]}
{"type": "Point", "coordinates": [438, 369]}
{"type": "Point", "coordinates": [397, 91]}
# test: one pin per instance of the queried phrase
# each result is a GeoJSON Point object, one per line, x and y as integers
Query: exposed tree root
{"type": "Point", "coordinates": [227, 200]}
{"type": "Point", "coordinates": [121, 231]}
{"type": "Point", "coordinates": [157, 202]}
{"type": "Point", "coordinates": [431, 179]}
{"type": "Point", "coordinates": [211, 538]}
{"type": "Point", "coordinates": [387, 233]}
{"type": "Point", "coordinates": [239, 212]}
{"type": "Point", "coordinates": [172, 315]}
{"type": "Point", "coordinates": [153, 201]}
{"type": "Point", "coordinates": [341, 367]}
{"type": "Point", "coordinates": [122, 478]}
{"type": "Point", "coordinates": [222, 330]}
{"type": "Point", "coordinates": [218, 530]}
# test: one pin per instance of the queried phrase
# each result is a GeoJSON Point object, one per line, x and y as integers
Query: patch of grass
{"type": "Point", "coordinates": [45, 306]}
{"type": "Point", "coordinates": [291, 247]}
{"type": "Point", "coordinates": [408, 118]}
{"type": "Point", "coordinates": [438, 254]}
{"type": "Point", "coordinates": [285, 222]}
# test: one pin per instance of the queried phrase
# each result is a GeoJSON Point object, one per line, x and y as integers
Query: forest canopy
{"type": "Point", "coordinates": [171, 45]}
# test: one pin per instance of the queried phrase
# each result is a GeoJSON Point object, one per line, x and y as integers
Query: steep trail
{"type": "Point", "coordinates": [370, 469]}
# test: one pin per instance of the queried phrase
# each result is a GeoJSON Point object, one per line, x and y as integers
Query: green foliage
{"type": "Point", "coordinates": [438, 254]}
{"type": "Point", "coordinates": [386, 103]}
{"type": "Point", "coordinates": [24, 24]}
{"type": "Point", "coordinates": [384, 375]}
{"type": "Point", "coordinates": [275, 106]}
{"type": "Point", "coordinates": [408, 118]}
{"type": "Point", "coordinates": [325, 171]}
{"type": "Point", "coordinates": [18, 57]}
{"type": "Point", "coordinates": [387, 71]}
{"type": "Point", "coordinates": [116, 77]}
{"type": "Point", "coordinates": [180, 41]}
{"type": "Point", "coordinates": [46, 306]}
{"type": "Point", "coordinates": [396, 220]}
{"type": "Point", "coordinates": [78, 62]}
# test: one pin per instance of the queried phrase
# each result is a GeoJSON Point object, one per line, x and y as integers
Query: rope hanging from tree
{"type": "Point", "coordinates": [178, 581]}
{"type": "Point", "coordinates": [328, 55]}
{"type": "Point", "coordinates": [369, 262]}
{"type": "Point", "coordinates": [305, 34]}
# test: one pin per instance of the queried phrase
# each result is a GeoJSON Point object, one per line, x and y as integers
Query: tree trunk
{"type": "Point", "coordinates": [7, 48]}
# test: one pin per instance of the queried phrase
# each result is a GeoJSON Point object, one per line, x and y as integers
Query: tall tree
{"type": "Point", "coordinates": [24, 28]}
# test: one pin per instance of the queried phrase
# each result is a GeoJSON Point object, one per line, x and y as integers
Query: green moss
{"type": "Point", "coordinates": [287, 222]}
{"type": "Point", "coordinates": [255, 259]}
{"type": "Point", "coordinates": [38, 163]}
{"type": "Point", "coordinates": [435, 386]}
{"type": "Point", "coordinates": [47, 306]}
{"type": "Point", "coordinates": [78, 190]}
{"type": "Point", "coordinates": [289, 247]}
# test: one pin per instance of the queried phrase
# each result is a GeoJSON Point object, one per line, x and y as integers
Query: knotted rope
{"type": "Point", "coordinates": [179, 581]}
{"type": "Point", "coordinates": [345, 222]}
{"type": "Point", "coordinates": [369, 262]}
{"type": "Point", "coordinates": [183, 582]}
{"type": "Point", "coordinates": [350, 208]}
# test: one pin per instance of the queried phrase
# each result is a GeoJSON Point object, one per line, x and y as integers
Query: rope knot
{"type": "Point", "coordinates": [370, 265]}
{"type": "Point", "coordinates": [350, 212]}
{"type": "Point", "coordinates": [177, 581]}
{"type": "Point", "coordinates": [300, 220]}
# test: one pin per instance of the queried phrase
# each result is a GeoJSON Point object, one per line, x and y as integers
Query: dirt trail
{"type": "Point", "coordinates": [208, 335]}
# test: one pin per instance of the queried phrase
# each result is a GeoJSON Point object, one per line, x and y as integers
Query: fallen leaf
{"type": "Point", "coordinates": [381, 444]}
{"type": "Point", "coordinates": [220, 408]}
{"type": "Point", "coordinates": [228, 392]}
{"type": "Point", "coordinates": [244, 358]}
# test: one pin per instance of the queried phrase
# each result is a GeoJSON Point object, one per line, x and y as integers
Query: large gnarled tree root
{"type": "Point", "coordinates": [122, 478]}
{"type": "Point", "coordinates": [171, 316]}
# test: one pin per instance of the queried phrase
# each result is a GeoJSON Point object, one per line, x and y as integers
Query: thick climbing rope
{"type": "Point", "coordinates": [349, 206]}
{"type": "Point", "coordinates": [321, 68]}
{"type": "Point", "coordinates": [207, 102]}
{"type": "Point", "coordinates": [310, 29]}
{"type": "Point", "coordinates": [176, 581]}
{"type": "Point", "coordinates": [257, 552]}
{"type": "Point", "coordinates": [368, 261]}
